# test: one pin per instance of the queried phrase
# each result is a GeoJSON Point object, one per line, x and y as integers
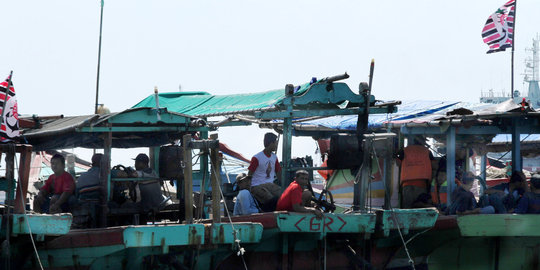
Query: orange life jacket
{"type": "Point", "coordinates": [416, 166]}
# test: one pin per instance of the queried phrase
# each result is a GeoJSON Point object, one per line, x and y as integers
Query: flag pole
{"type": "Point", "coordinates": [5, 97]}
{"type": "Point", "coordinates": [99, 57]}
{"type": "Point", "coordinates": [513, 46]}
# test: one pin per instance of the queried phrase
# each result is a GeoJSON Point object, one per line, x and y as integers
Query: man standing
{"type": "Point", "coordinates": [59, 186]}
{"type": "Point", "coordinates": [415, 172]}
{"type": "Point", "coordinates": [150, 190]}
{"type": "Point", "coordinates": [291, 199]}
{"type": "Point", "coordinates": [264, 166]}
{"type": "Point", "coordinates": [245, 204]}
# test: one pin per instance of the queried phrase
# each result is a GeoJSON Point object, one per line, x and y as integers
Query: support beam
{"type": "Point", "coordinates": [105, 174]}
{"type": "Point", "coordinates": [483, 174]}
{"type": "Point", "coordinates": [361, 187]}
{"type": "Point", "coordinates": [516, 146]}
{"type": "Point", "coordinates": [287, 138]}
{"type": "Point", "coordinates": [215, 176]}
{"type": "Point", "coordinates": [388, 173]}
{"type": "Point", "coordinates": [188, 181]}
{"type": "Point", "coordinates": [22, 184]}
{"type": "Point", "coordinates": [450, 161]}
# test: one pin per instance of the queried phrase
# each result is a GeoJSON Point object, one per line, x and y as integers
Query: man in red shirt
{"type": "Point", "coordinates": [59, 186]}
{"type": "Point", "coordinates": [291, 199]}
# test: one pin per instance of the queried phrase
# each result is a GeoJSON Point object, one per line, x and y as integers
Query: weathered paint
{"type": "Point", "coordinates": [222, 233]}
{"type": "Point", "coordinates": [331, 223]}
{"type": "Point", "coordinates": [499, 225]}
{"type": "Point", "coordinates": [41, 224]}
{"type": "Point", "coordinates": [77, 257]}
{"type": "Point", "coordinates": [486, 253]}
{"type": "Point", "coordinates": [407, 219]}
{"type": "Point", "coordinates": [163, 236]}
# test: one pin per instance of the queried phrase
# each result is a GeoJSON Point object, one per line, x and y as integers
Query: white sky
{"type": "Point", "coordinates": [422, 49]}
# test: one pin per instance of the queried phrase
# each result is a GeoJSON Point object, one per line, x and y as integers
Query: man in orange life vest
{"type": "Point", "coordinates": [415, 172]}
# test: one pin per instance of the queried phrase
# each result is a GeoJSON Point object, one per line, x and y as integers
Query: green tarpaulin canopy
{"type": "Point", "coordinates": [202, 103]}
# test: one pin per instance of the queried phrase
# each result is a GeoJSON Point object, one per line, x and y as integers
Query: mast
{"type": "Point", "coordinates": [513, 46]}
{"type": "Point", "coordinates": [99, 57]}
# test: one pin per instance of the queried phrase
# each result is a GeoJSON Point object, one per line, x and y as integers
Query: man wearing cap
{"type": "Point", "coordinates": [245, 204]}
{"type": "Point", "coordinates": [150, 190]}
{"type": "Point", "coordinates": [263, 168]}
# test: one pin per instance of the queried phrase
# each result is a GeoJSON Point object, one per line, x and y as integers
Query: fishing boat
{"type": "Point", "coordinates": [181, 236]}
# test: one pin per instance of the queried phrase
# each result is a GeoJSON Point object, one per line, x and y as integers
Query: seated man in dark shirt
{"type": "Point", "coordinates": [507, 195]}
{"type": "Point", "coordinates": [530, 202]}
{"type": "Point", "coordinates": [464, 202]}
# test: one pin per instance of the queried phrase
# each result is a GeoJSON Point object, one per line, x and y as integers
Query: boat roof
{"type": "Point", "coordinates": [137, 127]}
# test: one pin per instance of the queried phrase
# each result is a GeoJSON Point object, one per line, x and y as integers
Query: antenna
{"type": "Point", "coordinates": [532, 63]}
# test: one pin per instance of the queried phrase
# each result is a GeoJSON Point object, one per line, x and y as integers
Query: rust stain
{"type": "Point", "coordinates": [221, 235]}
{"type": "Point", "coordinates": [21, 222]}
{"type": "Point", "coordinates": [193, 238]}
{"type": "Point", "coordinates": [138, 237]}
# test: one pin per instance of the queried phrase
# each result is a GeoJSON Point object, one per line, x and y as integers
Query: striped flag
{"type": "Point", "coordinates": [10, 116]}
{"type": "Point", "coordinates": [499, 29]}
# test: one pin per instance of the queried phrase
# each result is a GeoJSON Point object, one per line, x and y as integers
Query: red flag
{"type": "Point", "coordinates": [9, 112]}
{"type": "Point", "coordinates": [498, 32]}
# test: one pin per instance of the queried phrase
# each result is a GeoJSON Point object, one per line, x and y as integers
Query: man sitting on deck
{"type": "Point", "coordinates": [88, 186]}
{"type": "Point", "coordinates": [530, 202]}
{"type": "Point", "coordinates": [505, 197]}
{"type": "Point", "coordinates": [150, 190]}
{"type": "Point", "coordinates": [463, 200]}
{"type": "Point", "coordinates": [59, 186]}
{"type": "Point", "coordinates": [245, 203]}
{"type": "Point", "coordinates": [264, 166]}
{"type": "Point", "coordinates": [293, 198]}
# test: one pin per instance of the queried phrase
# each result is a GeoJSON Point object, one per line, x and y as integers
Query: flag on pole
{"type": "Point", "coordinates": [10, 116]}
{"type": "Point", "coordinates": [498, 32]}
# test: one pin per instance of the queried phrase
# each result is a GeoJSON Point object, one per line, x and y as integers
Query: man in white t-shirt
{"type": "Point", "coordinates": [263, 168]}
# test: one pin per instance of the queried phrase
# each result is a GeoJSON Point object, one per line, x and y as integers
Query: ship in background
{"type": "Point", "coordinates": [530, 76]}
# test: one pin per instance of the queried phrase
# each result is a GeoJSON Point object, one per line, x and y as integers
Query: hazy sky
{"type": "Point", "coordinates": [423, 49]}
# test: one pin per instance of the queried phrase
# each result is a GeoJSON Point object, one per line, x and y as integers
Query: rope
{"type": "Point", "coordinates": [26, 218]}
{"type": "Point", "coordinates": [411, 261]}
{"type": "Point", "coordinates": [241, 250]}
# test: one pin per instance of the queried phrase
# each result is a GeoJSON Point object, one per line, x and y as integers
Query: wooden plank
{"type": "Point", "coordinates": [188, 179]}
{"type": "Point", "coordinates": [499, 225]}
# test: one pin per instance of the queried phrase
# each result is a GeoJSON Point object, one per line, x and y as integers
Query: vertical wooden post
{"type": "Point", "coordinates": [516, 146]}
{"type": "Point", "coordinates": [10, 175]}
{"type": "Point", "coordinates": [188, 180]}
{"type": "Point", "coordinates": [450, 161]}
{"type": "Point", "coordinates": [215, 177]}
{"type": "Point", "coordinates": [388, 174]}
{"type": "Point", "coordinates": [105, 173]}
{"type": "Point", "coordinates": [24, 174]}
{"type": "Point", "coordinates": [362, 187]}
{"type": "Point", "coordinates": [287, 137]}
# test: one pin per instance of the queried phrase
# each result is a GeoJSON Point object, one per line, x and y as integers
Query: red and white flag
{"type": "Point", "coordinates": [9, 112]}
{"type": "Point", "coordinates": [498, 32]}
